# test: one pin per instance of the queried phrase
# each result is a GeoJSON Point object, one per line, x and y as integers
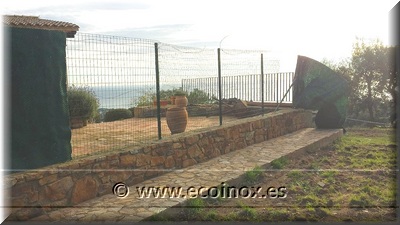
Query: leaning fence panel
{"type": "Point", "coordinates": [108, 77]}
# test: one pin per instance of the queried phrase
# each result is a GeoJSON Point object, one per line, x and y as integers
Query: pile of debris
{"type": "Point", "coordinates": [240, 108]}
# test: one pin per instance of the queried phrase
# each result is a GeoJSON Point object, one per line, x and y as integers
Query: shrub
{"type": "Point", "coordinates": [198, 97]}
{"type": "Point", "coordinates": [82, 102]}
{"type": "Point", "coordinates": [117, 114]}
{"type": "Point", "coordinates": [166, 94]}
{"type": "Point", "coordinates": [179, 92]}
{"type": "Point", "coordinates": [146, 99]}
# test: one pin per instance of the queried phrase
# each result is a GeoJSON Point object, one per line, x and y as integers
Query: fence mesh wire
{"type": "Point", "coordinates": [117, 71]}
{"type": "Point", "coordinates": [179, 63]}
{"type": "Point", "coordinates": [121, 74]}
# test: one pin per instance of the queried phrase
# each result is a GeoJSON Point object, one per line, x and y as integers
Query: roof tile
{"type": "Point", "coordinates": [35, 22]}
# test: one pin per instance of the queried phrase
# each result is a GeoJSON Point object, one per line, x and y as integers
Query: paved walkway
{"type": "Point", "coordinates": [207, 174]}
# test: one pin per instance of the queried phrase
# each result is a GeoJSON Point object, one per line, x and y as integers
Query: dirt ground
{"type": "Point", "coordinates": [109, 136]}
{"type": "Point", "coordinates": [352, 180]}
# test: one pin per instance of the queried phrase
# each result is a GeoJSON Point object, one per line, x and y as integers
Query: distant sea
{"type": "Point", "coordinates": [112, 97]}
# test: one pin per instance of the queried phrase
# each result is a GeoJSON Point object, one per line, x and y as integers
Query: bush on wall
{"type": "Point", "coordinates": [117, 114]}
{"type": "Point", "coordinates": [82, 102]}
{"type": "Point", "coordinates": [196, 96]}
{"type": "Point", "coordinates": [199, 97]}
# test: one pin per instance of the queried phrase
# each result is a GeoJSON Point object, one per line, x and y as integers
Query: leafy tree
{"type": "Point", "coordinates": [373, 78]}
{"type": "Point", "coordinates": [371, 74]}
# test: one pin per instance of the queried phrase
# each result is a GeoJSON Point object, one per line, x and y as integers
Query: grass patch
{"type": "Point", "coordinates": [276, 214]}
{"type": "Point", "coordinates": [359, 200]}
{"type": "Point", "coordinates": [296, 175]}
{"type": "Point", "coordinates": [249, 214]}
{"type": "Point", "coordinates": [329, 176]}
{"type": "Point", "coordinates": [253, 176]}
{"type": "Point", "coordinates": [279, 163]}
{"type": "Point", "coordinates": [351, 180]}
{"type": "Point", "coordinates": [212, 215]}
{"type": "Point", "coordinates": [315, 166]}
{"type": "Point", "coordinates": [194, 208]}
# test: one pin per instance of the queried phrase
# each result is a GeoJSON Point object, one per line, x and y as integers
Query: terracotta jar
{"type": "Point", "coordinates": [177, 118]}
{"type": "Point", "coordinates": [181, 101]}
{"type": "Point", "coordinates": [172, 98]}
{"type": "Point", "coordinates": [163, 102]}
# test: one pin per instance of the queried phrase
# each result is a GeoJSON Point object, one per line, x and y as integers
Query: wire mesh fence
{"type": "Point", "coordinates": [137, 86]}
{"type": "Point", "coordinates": [176, 64]}
{"type": "Point", "coordinates": [238, 69]}
{"type": "Point", "coordinates": [117, 72]}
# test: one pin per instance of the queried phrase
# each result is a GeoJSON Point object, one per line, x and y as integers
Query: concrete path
{"type": "Point", "coordinates": [230, 166]}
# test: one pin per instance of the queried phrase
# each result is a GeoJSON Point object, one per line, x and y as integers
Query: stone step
{"type": "Point", "coordinates": [224, 168]}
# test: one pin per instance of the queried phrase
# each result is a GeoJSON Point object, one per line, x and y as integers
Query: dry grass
{"type": "Point", "coordinates": [101, 137]}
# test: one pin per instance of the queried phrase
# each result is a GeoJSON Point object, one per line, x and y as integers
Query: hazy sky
{"type": "Point", "coordinates": [317, 29]}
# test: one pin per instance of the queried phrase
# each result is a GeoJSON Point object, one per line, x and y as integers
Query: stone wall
{"type": "Point", "coordinates": [76, 181]}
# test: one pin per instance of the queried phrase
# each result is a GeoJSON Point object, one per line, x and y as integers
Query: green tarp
{"type": "Point", "coordinates": [40, 132]}
{"type": "Point", "coordinates": [317, 87]}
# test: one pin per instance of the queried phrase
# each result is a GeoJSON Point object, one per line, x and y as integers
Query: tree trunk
{"type": "Point", "coordinates": [369, 101]}
{"type": "Point", "coordinates": [392, 90]}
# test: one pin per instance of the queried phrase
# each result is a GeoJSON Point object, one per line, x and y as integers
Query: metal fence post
{"type": "Point", "coordinates": [262, 85]}
{"type": "Point", "coordinates": [219, 86]}
{"type": "Point", "coordinates": [277, 88]}
{"type": "Point", "coordinates": [158, 91]}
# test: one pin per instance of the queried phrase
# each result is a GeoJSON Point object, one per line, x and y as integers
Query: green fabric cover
{"type": "Point", "coordinates": [317, 87]}
{"type": "Point", "coordinates": [40, 131]}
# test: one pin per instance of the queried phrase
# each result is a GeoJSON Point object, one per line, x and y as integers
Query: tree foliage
{"type": "Point", "coordinates": [198, 96]}
{"type": "Point", "coordinates": [82, 102]}
{"type": "Point", "coordinates": [371, 73]}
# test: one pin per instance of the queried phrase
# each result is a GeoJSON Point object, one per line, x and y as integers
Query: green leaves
{"type": "Point", "coordinates": [82, 102]}
{"type": "Point", "coordinates": [371, 73]}
{"type": "Point", "coordinates": [199, 97]}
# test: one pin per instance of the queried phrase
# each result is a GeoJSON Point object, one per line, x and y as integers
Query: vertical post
{"type": "Point", "coordinates": [220, 86]}
{"type": "Point", "coordinates": [248, 84]}
{"type": "Point", "coordinates": [262, 85]}
{"type": "Point", "coordinates": [277, 88]}
{"type": "Point", "coordinates": [158, 91]}
{"type": "Point", "coordinates": [182, 85]}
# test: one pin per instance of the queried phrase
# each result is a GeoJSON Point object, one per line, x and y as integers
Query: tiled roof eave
{"type": "Point", "coordinates": [34, 22]}
{"type": "Point", "coordinates": [66, 29]}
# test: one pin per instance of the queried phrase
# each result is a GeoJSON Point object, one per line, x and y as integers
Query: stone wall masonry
{"type": "Point", "coordinates": [38, 191]}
